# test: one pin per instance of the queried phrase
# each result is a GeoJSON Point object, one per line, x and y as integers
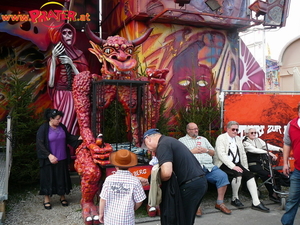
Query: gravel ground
{"type": "Point", "coordinates": [30, 210]}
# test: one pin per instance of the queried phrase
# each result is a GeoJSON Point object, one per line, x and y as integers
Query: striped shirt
{"type": "Point", "coordinates": [121, 191]}
{"type": "Point", "coordinates": [205, 159]}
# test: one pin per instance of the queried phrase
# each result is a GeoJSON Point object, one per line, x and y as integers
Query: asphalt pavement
{"type": "Point", "coordinates": [246, 216]}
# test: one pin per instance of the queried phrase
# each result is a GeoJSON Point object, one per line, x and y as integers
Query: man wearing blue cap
{"type": "Point", "coordinates": [179, 164]}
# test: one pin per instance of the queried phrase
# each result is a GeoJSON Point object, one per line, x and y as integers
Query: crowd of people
{"type": "Point", "coordinates": [185, 167]}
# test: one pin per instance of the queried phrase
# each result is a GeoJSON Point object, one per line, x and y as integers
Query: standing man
{"type": "Point", "coordinates": [231, 158]}
{"type": "Point", "coordinates": [291, 141]}
{"type": "Point", "coordinates": [177, 164]}
{"type": "Point", "coordinates": [203, 151]}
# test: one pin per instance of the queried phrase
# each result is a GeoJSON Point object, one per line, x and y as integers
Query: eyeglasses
{"type": "Point", "coordinates": [235, 129]}
{"type": "Point", "coordinates": [253, 132]}
{"type": "Point", "coordinates": [194, 129]}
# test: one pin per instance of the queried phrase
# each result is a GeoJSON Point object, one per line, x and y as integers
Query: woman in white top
{"type": "Point", "coordinates": [258, 160]}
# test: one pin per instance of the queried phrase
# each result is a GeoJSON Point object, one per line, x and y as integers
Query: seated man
{"type": "Point", "coordinates": [231, 158]}
{"type": "Point", "coordinates": [203, 151]}
{"type": "Point", "coordinates": [258, 159]}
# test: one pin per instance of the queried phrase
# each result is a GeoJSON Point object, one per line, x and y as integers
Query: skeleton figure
{"type": "Point", "coordinates": [116, 56]}
{"type": "Point", "coordinates": [65, 63]}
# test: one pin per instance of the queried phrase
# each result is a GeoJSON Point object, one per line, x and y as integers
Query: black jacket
{"type": "Point", "coordinates": [171, 205]}
{"type": "Point", "coordinates": [43, 146]}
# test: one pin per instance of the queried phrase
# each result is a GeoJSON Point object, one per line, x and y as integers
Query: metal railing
{"type": "Point", "coordinates": [8, 158]}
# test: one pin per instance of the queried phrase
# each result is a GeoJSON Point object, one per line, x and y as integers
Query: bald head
{"type": "Point", "coordinates": [192, 130]}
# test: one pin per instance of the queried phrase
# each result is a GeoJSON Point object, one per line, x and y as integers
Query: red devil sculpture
{"type": "Point", "coordinates": [116, 55]}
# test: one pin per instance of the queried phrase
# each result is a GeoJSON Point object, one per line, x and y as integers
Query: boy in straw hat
{"type": "Point", "coordinates": [122, 193]}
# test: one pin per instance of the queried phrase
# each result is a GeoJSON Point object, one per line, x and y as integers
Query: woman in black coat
{"type": "Point", "coordinates": [53, 153]}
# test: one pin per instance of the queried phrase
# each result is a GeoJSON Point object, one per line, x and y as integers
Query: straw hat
{"type": "Point", "coordinates": [123, 158]}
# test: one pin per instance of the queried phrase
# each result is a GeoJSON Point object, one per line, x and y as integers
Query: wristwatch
{"type": "Point", "coordinates": [207, 151]}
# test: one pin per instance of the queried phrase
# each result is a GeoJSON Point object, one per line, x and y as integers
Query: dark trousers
{"type": "Point", "coordinates": [192, 194]}
{"type": "Point", "coordinates": [264, 175]}
{"type": "Point", "coordinates": [246, 175]}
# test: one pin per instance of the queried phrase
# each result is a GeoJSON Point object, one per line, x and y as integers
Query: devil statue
{"type": "Point", "coordinates": [116, 55]}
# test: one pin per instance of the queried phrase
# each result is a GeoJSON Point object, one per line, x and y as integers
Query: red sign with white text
{"type": "Point", "coordinates": [137, 171]}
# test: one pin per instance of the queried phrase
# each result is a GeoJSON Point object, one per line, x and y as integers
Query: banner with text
{"type": "Point", "coordinates": [268, 113]}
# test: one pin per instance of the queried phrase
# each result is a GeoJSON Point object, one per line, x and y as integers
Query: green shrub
{"type": "Point", "coordinates": [19, 94]}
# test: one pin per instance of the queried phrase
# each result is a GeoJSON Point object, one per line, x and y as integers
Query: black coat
{"type": "Point", "coordinates": [171, 205]}
{"type": "Point", "coordinates": [43, 146]}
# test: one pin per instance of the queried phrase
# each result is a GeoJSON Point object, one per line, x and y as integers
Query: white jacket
{"type": "Point", "coordinates": [222, 149]}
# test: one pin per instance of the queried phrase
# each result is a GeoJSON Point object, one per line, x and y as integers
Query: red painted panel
{"type": "Point", "coordinates": [138, 171]}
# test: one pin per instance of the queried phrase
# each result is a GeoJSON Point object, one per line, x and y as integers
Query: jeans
{"type": "Point", "coordinates": [216, 176]}
{"type": "Point", "coordinates": [293, 199]}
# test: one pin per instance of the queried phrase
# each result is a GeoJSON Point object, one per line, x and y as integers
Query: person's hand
{"type": "Point", "coordinates": [52, 159]}
{"type": "Point", "coordinates": [144, 181]}
{"type": "Point", "coordinates": [238, 169]}
{"type": "Point", "coordinates": [199, 150]}
{"type": "Point", "coordinates": [101, 218]}
{"type": "Point", "coordinates": [286, 170]}
{"type": "Point", "coordinates": [274, 157]}
{"type": "Point", "coordinates": [203, 150]}
{"type": "Point", "coordinates": [196, 150]}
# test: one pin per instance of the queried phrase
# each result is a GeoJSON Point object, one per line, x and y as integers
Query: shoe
{"type": "Point", "coordinates": [275, 199]}
{"type": "Point", "coordinates": [199, 212]}
{"type": "Point", "coordinates": [88, 220]}
{"type": "Point", "coordinates": [151, 211]}
{"type": "Point", "coordinates": [64, 202]}
{"type": "Point", "coordinates": [260, 207]}
{"type": "Point", "coordinates": [96, 220]}
{"type": "Point", "coordinates": [237, 203]}
{"type": "Point", "coordinates": [47, 205]}
{"type": "Point", "coordinates": [222, 207]}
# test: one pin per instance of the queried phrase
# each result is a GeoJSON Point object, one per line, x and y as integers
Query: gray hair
{"type": "Point", "coordinates": [247, 130]}
{"type": "Point", "coordinates": [231, 123]}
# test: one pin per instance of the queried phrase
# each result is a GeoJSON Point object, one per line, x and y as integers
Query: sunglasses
{"type": "Point", "coordinates": [235, 129]}
{"type": "Point", "coordinates": [253, 132]}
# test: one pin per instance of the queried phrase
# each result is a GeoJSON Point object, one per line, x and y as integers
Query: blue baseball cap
{"type": "Point", "coordinates": [148, 133]}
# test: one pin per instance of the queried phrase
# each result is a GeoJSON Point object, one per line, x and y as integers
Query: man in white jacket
{"type": "Point", "coordinates": [231, 158]}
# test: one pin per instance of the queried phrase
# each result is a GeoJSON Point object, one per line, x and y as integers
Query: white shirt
{"type": "Point", "coordinates": [233, 149]}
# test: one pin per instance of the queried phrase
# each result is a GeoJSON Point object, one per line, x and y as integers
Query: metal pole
{"type": "Point", "coordinates": [8, 153]}
{"type": "Point", "coordinates": [221, 97]}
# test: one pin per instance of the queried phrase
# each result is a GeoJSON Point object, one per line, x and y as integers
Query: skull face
{"type": "Point", "coordinates": [67, 35]}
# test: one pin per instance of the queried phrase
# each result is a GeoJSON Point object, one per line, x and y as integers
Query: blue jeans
{"type": "Point", "coordinates": [216, 176]}
{"type": "Point", "coordinates": [293, 201]}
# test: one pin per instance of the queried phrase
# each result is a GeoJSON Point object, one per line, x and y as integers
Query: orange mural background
{"type": "Point", "coordinates": [269, 113]}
